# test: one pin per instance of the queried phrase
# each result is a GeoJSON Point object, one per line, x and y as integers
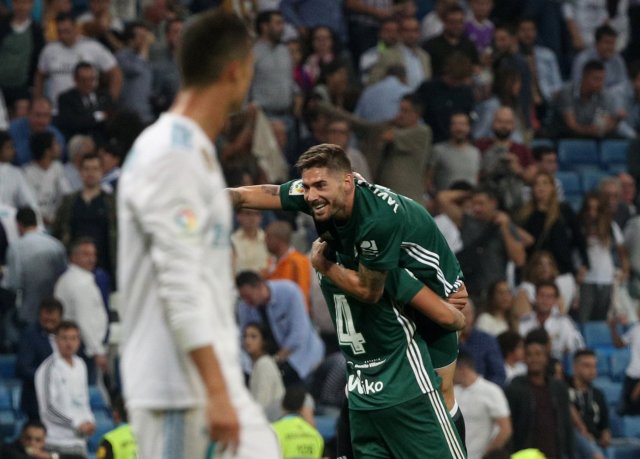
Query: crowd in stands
{"type": "Point", "coordinates": [515, 123]}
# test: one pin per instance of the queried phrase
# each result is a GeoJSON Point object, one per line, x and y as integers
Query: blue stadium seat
{"type": "Point", "coordinates": [8, 366]}
{"type": "Point", "coordinates": [631, 426]}
{"type": "Point", "coordinates": [616, 423]}
{"type": "Point", "coordinates": [6, 399]}
{"type": "Point", "coordinates": [619, 361]}
{"type": "Point", "coordinates": [614, 152]}
{"type": "Point", "coordinates": [326, 425]}
{"type": "Point", "coordinates": [612, 390]}
{"type": "Point", "coordinates": [574, 154]}
{"type": "Point", "coordinates": [8, 423]}
{"type": "Point", "coordinates": [570, 182]}
{"type": "Point", "coordinates": [624, 448]}
{"type": "Point", "coordinates": [96, 400]}
{"type": "Point", "coordinates": [535, 143]}
{"type": "Point", "coordinates": [615, 169]}
{"type": "Point", "coordinates": [603, 354]}
{"type": "Point", "coordinates": [596, 333]}
{"type": "Point", "coordinates": [591, 179]}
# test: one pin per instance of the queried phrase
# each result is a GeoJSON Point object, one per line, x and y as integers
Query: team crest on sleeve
{"type": "Point", "coordinates": [186, 220]}
{"type": "Point", "coordinates": [369, 248]}
{"type": "Point", "coordinates": [296, 188]}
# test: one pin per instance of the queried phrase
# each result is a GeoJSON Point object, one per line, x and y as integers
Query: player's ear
{"type": "Point", "coordinates": [349, 181]}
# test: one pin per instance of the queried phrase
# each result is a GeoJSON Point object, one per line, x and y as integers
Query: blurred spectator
{"type": "Point", "coordinates": [166, 77]}
{"type": "Point", "coordinates": [136, 70]}
{"type": "Point", "coordinates": [333, 86]}
{"type": "Point", "coordinates": [63, 394]}
{"type": "Point", "coordinates": [30, 443]}
{"type": "Point", "coordinates": [565, 337]}
{"type": "Point", "coordinates": [604, 239]}
{"type": "Point", "coordinates": [298, 439]}
{"type": "Point", "coordinates": [388, 36]}
{"type": "Point", "coordinates": [58, 59]}
{"type": "Point", "coordinates": [586, 109]}
{"type": "Point", "coordinates": [34, 347]}
{"type": "Point", "coordinates": [498, 313]}
{"type": "Point", "coordinates": [84, 108]}
{"type": "Point", "coordinates": [433, 23]}
{"type": "Point", "coordinates": [482, 347]}
{"type": "Point", "coordinates": [611, 188]}
{"type": "Point", "coordinates": [38, 120]}
{"type": "Point", "coordinates": [406, 53]}
{"type": "Point", "coordinates": [90, 213]}
{"type": "Point", "coordinates": [443, 96]}
{"type": "Point", "coordinates": [38, 254]}
{"type": "Point", "coordinates": [79, 145]}
{"type": "Point", "coordinates": [14, 189]}
{"type": "Point", "coordinates": [628, 195]}
{"type": "Point", "coordinates": [630, 402]}
{"type": "Point", "coordinates": [4, 114]}
{"type": "Point", "coordinates": [591, 427]}
{"type": "Point", "coordinates": [80, 297]}
{"type": "Point", "coordinates": [604, 51]}
{"type": "Point", "coordinates": [249, 244]}
{"type": "Point", "coordinates": [485, 408]}
{"type": "Point", "coordinates": [21, 41]}
{"type": "Point", "coordinates": [379, 102]}
{"type": "Point", "coordinates": [512, 349]}
{"type": "Point", "coordinates": [300, 75]}
{"type": "Point", "coordinates": [265, 380]}
{"type": "Point", "coordinates": [540, 407]}
{"type": "Point", "coordinates": [478, 28]}
{"type": "Point", "coordinates": [627, 100]}
{"type": "Point", "coordinates": [45, 174]}
{"type": "Point", "coordinates": [583, 17]}
{"type": "Point", "coordinates": [458, 193]}
{"type": "Point", "coordinates": [111, 156]}
{"type": "Point", "coordinates": [279, 306]}
{"type": "Point", "coordinates": [554, 227]}
{"type": "Point", "coordinates": [52, 9]}
{"type": "Point", "coordinates": [339, 133]}
{"type": "Point", "coordinates": [307, 14]}
{"type": "Point", "coordinates": [289, 263]}
{"type": "Point", "coordinates": [547, 161]}
{"type": "Point", "coordinates": [100, 24]}
{"type": "Point", "coordinates": [366, 19]}
{"type": "Point", "coordinates": [323, 49]}
{"type": "Point", "coordinates": [119, 442]}
{"type": "Point", "coordinates": [451, 41]}
{"type": "Point", "coordinates": [454, 160]}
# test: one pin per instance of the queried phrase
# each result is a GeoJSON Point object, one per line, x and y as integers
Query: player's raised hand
{"type": "Point", "coordinates": [459, 298]}
{"type": "Point", "coordinates": [224, 427]}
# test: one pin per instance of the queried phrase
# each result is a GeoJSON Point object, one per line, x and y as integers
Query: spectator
{"type": "Point", "coordinates": [79, 145]}
{"type": "Point", "coordinates": [379, 102]}
{"type": "Point", "coordinates": [591, 427]}
{"type": "Point", "coordinates": [298, 439]}
{"type": "Point", "coordinates": [388, 37]}
{"type": "Point", "coordinates": [333, 86]}
{"type": "Point", "coordinates": [366, 21]}
{"type": "Point", "coordinates": [137, 72]}
{"type": "Point", "coordinates": [300, 75]}
{"type": "Point", "coordinates": [34, 347]}
{"type": "Point", "coordinates": [119, 442]}
{"type": "Point", "coordinates": [604, 239]}
{"type": "Point", "coordinates": [21, 41]}
{"type": "Point", "coordinates": [554, 227]}
{"type": "Point", "coordinates": [565, 337]}
{"type": "Point", "coordinates": [249, 244]}
{"type": "Point", "coordinates": [323, 49]}
{"type": "Point", "coordinates": [37, 121]}
{"type": "Point", "coordinates": [84, 109]}
{"type": "Point", "coordinates": [307, 14]}
{"type": "Point", "coordinates": [166, 77]}
{"type": "Point", "coordinates": [77, 291]}
{"type": "Point", "coordinates": [408, 54]}
{"type": "Point", "coordinates": [30, 444]}
{"type": "Point", "coordinates": [627, 99]}
{"type": "Point", "coordinates": [485, 408]}
{"type": "Point", "coordinates": [546, 158]}
{"type": "Point", "coordinates": [482, 347]}
{"type": "Point", "coordinates": [583, 17]}
{"type": "Point", "coordinates": [454, 160]}
{"type": "Point", "coordinates": [433, 23]}
{"type": "Point", "coordinates": [630, 403]}
{"type": "Point", "coordinates": [51, 11]}
{"type": "Point", "coordinates": [265, 380]}
{"type": "Point", "coordinates": [58, 60]}
{"type": "Point", "coordinates": [279, 306]}
{"type": "Point", "coordinates": [111, 156]}
{"type": "Point", "coordinates": [452, 40]}
{"type": "Point", "coordinates": [611, 189]}
{"type": "Point", "coordinates": [90, 212]}
{"type": "Point", "coordinates": [540, 407]}
{"type": "Point", "coordinates": [512, 348]}
{"type": "Point", "coordinates": [586, 109]}
{"type": "Point", "coordinates": [63, 394]}
{"type": "Point", "coordinates": [604, 51]}
{"type": "Point", "coordinates": [498, 311]}
{"type": "Point", "coordinates": [14, 189]}
{"type": "Point", "coordinates": [339, 133]}
{"type": "Point", "coordinates": [443, 96]}
{"type": "Point", "coordinates": [100, 24]}
{"type": "Point", "coordinates": [45, 175]}
{"type": "Point", "coordinates": [478, 28]}
{"type": "Point", "coordinates": [38, 254]}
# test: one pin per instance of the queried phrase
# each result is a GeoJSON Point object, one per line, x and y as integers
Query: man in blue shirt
{"type": "Point", "coordinates": [380, 101]}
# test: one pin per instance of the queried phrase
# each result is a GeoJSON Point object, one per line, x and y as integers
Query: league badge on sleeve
{"type": "Point", "coordinates": [296, 188]}
{"type": "Point", "coordinates": [186, 221]}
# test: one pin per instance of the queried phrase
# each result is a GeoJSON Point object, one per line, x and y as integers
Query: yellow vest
{"type": "Point", "coordinates": [530, 453]}
{"type": "Point", "coordinates": [122, 441]}
{"type": "Point", "coordinates": [298, 439]}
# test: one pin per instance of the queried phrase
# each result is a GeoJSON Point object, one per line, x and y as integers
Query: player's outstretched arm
{"type": "Point", "coordinates": [259, 197]}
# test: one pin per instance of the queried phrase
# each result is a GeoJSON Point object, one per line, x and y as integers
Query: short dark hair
{"type": "Point", "coordinates": [269, 344]}
{"type": "Point", "coordinates": [508, 342]}
{"type": "Point", "coordinates": [51, 304]}
{"type": "Point", "coordinates": [293, 400]}
{"type": "Point", "coordinates": [39, 143]}
{"type": "Point", "coordinates": [209, 43]}
{"type": "Point", "coordinates": [592, 66]}
{"type": "Point", "coordinates": [264, 17]}
{"type": "Point", "coordinates": [81, 65]}
{"type": "Point", "coordinates": [67, 325]}
{"type": "Point", "coordinates": [543, 150]}
{"type": "Point", "coordinates": [130, 29]}
{"type": "Point", "coordinates": [526, 19]}
{"type": "Point", "coordinates": [33, 424]}
{"type": "Point", "coordinates": [78, 242]}
{"type": "Point", "coordinates": [605, 30]}
{"type": "Point", "coordinates": [250, 278]}
{"type": "Point", "coordinates": [508, 27]}
{"type": "Point", "coordinates": [461, 185]}
{"type": "Point", "coordinates": [537, 336]}
{"type": "Point", "coordinates": [465, 359]}
{"type": "Point", "coordinates": [415, 101]}
{"type": "Point", "coordinates": [26, 217]}
{"type": "Point", "coordinates": [453, 9]}
{"type": "Point", "coordinates": [63, 17]}
{"type": "Point", "coordinates": [88, 157]}
{"type": "Point", "coordinates": [489, 190]}
{"type": "Point", "coordinates": [328, 155]}
{"type": "Point", "coordinates": [583, 353]}
{"type": "Point", "coordinates": [550, 284]}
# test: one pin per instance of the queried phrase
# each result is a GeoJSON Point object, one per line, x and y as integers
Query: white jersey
{"type": "Point", "coordinates": [175, 271]}
{"type": "Point", "coordinates": [49, 185]}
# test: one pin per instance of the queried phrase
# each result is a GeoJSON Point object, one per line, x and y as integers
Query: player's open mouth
{"type": "Point", "coordinates": [318, 207]}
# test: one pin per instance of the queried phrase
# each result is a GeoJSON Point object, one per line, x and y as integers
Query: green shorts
{"type": "Point", "coordinates": [416, 429]}
{"type": "Point", "coordinates": [442, 343]}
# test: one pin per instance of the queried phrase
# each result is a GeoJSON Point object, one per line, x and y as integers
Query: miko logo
{"type": "Point", "coordinates": [363, 386]}
{"type": "Point", "coordinates": [369, 248]}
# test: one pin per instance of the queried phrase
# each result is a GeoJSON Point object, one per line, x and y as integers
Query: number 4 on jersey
{"type": "Point", "coordinates": [347, 333]}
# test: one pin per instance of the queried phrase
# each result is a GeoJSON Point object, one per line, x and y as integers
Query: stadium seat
{"type": "Point", "coordinates": [615, 169]}
{"type": "Point", "coordinates": [615, 420]}
{"type": "Point", "coordinates": [8, 366]}
{"type": "Point", "coordinates": [614, 152]}
{"type": "Point", "coordinates": [326, 425]}
{"type": "Point", "coordinates": [96, 400]}
{"type": "Point", "coordinates": [536, 143]}
{"type": "Point", "coordinates": [591, 179]}
{"type": "Point", "coordinates": [575, 154]}
{"type": "Point", "coordinates": [618, 362]}
{"type": "Point", "coordinates": [8, 423]}
{"type": "Point", "coordinates": [575, 201]}
{"type": "Point", "coordinates": [570, 182]}
{"type": "Point", "coordinates": [624, 448]}
{"type": "Point", "coordinates": [612, 390]}
{"type": "Point", "coordinates": [631, 426]}
{"type": "Point", "coordinates": [6, 400]}
{"type": "Point", "coordinates": [596, 333]}
{"type": "Point", "coordinates": [603, 355]}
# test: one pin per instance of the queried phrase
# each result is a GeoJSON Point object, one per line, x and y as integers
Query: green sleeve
{"type": "Point", "coordinates": [402, 285]}
{"type": "Point", "coordinates": [378, 244]}
{"type": "Point", "coordinates": [292, 197]}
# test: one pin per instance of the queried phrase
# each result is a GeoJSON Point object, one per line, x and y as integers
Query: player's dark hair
{"type": "Point", "coordinates": [39, 143]}
{"type": "Point", "coordinates": [592, 66]}
{"type": "Point", "coordinates": [583, 353]}
{"type": "Point", "coordinates": [605, 30]}
{"type": "Point", "coordinates": [250, 278]}
{"type": "Point", "coordinates": [80, 66]}
{"type": "Point", "coordinates": [293, 400]}
{"type": "Point", "coordinates": [51, 304]}
{"type": "Point", "coordinates": [33, 424]}
{"type": "Point", "coordinates": [264, 17]}
{"type": "Point", "coordinates": [209, 44]}
{"type": "Point", "coordinates": [466, 360]}
{"type": "Point", "coordinates": [548, 283]}
{"type": "Point", "coordinates": [326, 155]}
{"type": "Point", "coordinates": [26, 217]}
{"type": "Point", "coordinates": [67, 325]}
{"type": "Point", "coordinates": [543, 150]}
{"type": "Point", "coordinates": [537, 336]}
{"type": "Point", "coordinates": [508, 342]}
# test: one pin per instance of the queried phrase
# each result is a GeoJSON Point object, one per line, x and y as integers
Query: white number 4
{"type": "Point", "coordinates": [347, 333]}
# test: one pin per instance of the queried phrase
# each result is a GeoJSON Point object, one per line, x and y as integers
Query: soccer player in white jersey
{"type": "Point", "coordinates": [180, 357]}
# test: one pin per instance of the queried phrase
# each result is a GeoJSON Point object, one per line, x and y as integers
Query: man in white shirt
{"type": "Point", "coordinates": [485, 408]}
{"type": "Point", "coordinates": [79, 294]}
{"type": "Point", "coordinates": [14, 190]}
{"type": "Point", "coordinates": [180, 351]}
{"type": "Point", "coordinates": [63, 394]}
{"type": "Point", "coordinates": [249, 246]}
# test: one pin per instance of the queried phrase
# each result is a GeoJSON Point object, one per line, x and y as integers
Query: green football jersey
{"type": "Point", "coordinates": [387, 362]}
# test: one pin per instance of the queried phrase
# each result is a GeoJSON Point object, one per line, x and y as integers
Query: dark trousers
{"type": "Point", "coordinates": [629, 407]}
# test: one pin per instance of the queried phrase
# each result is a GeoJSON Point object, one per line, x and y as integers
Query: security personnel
{"type": "Point", "coordinates": [119, 443]}
{"type": "Point", "coordinates": [298, 439]}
